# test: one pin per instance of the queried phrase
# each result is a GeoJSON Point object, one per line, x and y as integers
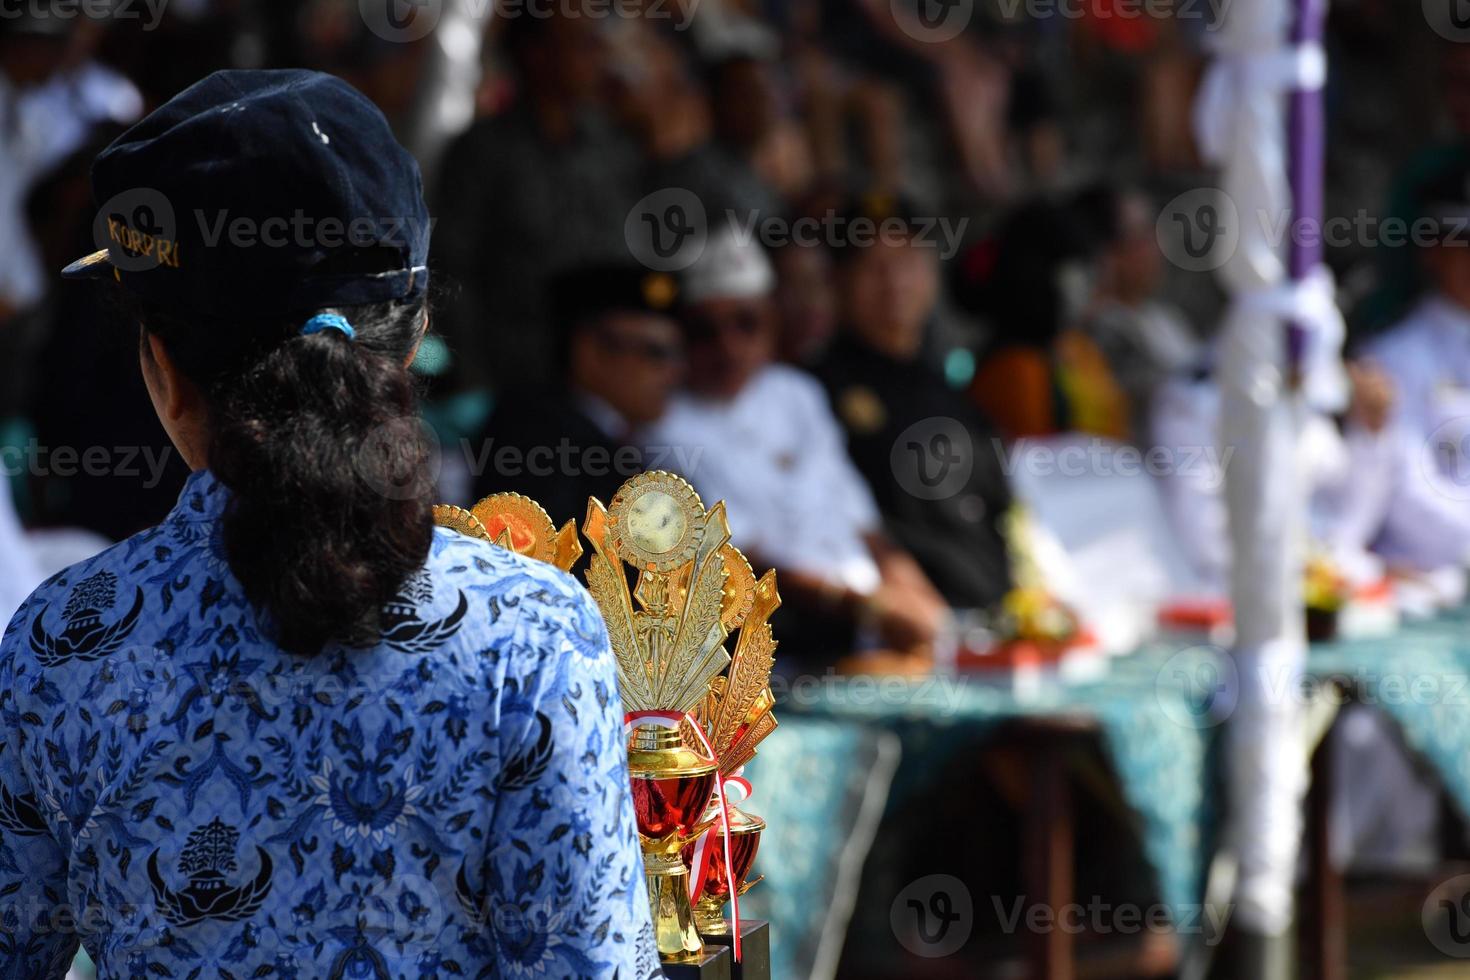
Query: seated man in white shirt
{"type": "Point", "coordinates": [1427, 357]}
{"type": "Point", "coordinates": [760, 436]}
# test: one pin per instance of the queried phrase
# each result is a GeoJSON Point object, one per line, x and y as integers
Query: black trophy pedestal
{"type": "Point", "coordinates": [755, 949]}
{"type": "Point", "coordinates": [715, 964]}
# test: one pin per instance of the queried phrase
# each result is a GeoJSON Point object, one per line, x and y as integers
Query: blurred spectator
{"type": "Point", "coordinates": [750, 124]}
{"type": "Point", "coordinates": [1401, 276]}
{"type": "Point", "coordinates": [529, 192]}
{"type": "Point", "coordinates": [1347, 468]}
{"type": "Point", "coordinates": [664, 101]}
{"type": "Point", "coordinates": [126, 474]}
{"type": "Point", "coordinates": [1145, 341]}
{"type": "Point", "coordinates": [760, 436]}
{"type": "Point", "coordinates": [52, 96]}
{"type": "Point", "coordinates": [620, 354]}
{"type": "Point", "coordinates": [1039, 374]}
{"type": "Point", "coordinates": [890, 401]}
{"type": "Point", "coordinates": [1427, 357]}
{"type": "Point", "coordinates": [805, 301]}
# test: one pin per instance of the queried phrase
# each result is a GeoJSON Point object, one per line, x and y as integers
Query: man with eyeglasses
{"type": "Point", "coordinates": [761, 436]}
{"type": "Point", "coordinates": [620, 355]}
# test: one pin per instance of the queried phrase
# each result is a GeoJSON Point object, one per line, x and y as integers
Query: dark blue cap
{"type": "Point", "coordinates": [260, 193]}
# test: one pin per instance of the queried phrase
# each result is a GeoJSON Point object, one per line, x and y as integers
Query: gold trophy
{"type": "Point", "coordinates": [736, 716]}
{"type": "Point", "coordinates": [691, 727]}
{"type": "Point", "coordinates": [669, 647]}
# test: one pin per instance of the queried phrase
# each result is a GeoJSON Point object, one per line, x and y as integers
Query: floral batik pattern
{"type": "Point", "coordinates": [184, 799]}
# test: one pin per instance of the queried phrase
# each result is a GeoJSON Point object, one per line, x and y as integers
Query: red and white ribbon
{"type": "Point", "coordinates": [673, 719]}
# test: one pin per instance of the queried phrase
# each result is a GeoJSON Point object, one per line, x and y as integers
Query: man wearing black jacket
{"type": "Point", "coordinates": [620, 355]}
{"type": "Point", "coordinates": [929, 455]}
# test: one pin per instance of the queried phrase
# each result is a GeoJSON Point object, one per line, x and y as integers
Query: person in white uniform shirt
{"type": "Point", "coordinates": [19, 572]}
{"type": "Point", "coordinates": [52, 96]}
{"type": "Point", "coordinates": [1427, 357]}
{"type": "Point", "coordinates": [761, 436]}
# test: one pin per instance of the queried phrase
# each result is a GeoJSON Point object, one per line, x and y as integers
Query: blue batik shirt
{"type": "Point", "coordinates": [187, 800]}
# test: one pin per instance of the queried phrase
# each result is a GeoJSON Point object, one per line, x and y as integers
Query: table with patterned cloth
{"type": "Point", "coordinates": [1420, 678]}
{"type": "Point", "coordinates": [1157, 712]}
{"type": "Point", "coordinates": [1152, 711]}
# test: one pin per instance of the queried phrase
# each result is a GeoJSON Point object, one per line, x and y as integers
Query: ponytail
{"type": "Point", "coordinates": [316, 438]}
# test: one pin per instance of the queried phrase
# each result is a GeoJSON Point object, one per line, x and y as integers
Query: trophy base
{"type": "Point", "coordinates": [755, 949]}
{"type": "Point", "coordinates": [709, 917]}
{"type": "Point", "coordinates": [715, 963]}
{"type": "Point", "coordinates": [673, 920]}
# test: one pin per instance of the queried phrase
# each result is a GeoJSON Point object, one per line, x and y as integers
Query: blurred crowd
{"type": "Point", "coordinates": [871, 278]}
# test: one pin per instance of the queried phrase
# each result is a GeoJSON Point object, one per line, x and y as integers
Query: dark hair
{"type": "Point", "coordinates": [1010, 279]}
{"type": "Point", "coordinates": [316, 438]}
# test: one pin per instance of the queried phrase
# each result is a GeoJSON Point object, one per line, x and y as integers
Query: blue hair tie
{"type": "Point", "coordinates": [328, 321]}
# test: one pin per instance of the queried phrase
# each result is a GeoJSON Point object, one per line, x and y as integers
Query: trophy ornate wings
{"type": "Point", "coordinates": [517, 523]}
{"type": "Point", "coordinates": [672, 589]}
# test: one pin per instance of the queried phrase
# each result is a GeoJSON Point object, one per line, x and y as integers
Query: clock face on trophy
{"type": "Point", "coordinates": [656, 519]}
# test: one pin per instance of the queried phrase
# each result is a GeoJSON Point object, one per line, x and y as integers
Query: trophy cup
{"type": "Point", "coordinates": [669, 647]}
{"type": "Point", "coordinates": [692, 728]}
